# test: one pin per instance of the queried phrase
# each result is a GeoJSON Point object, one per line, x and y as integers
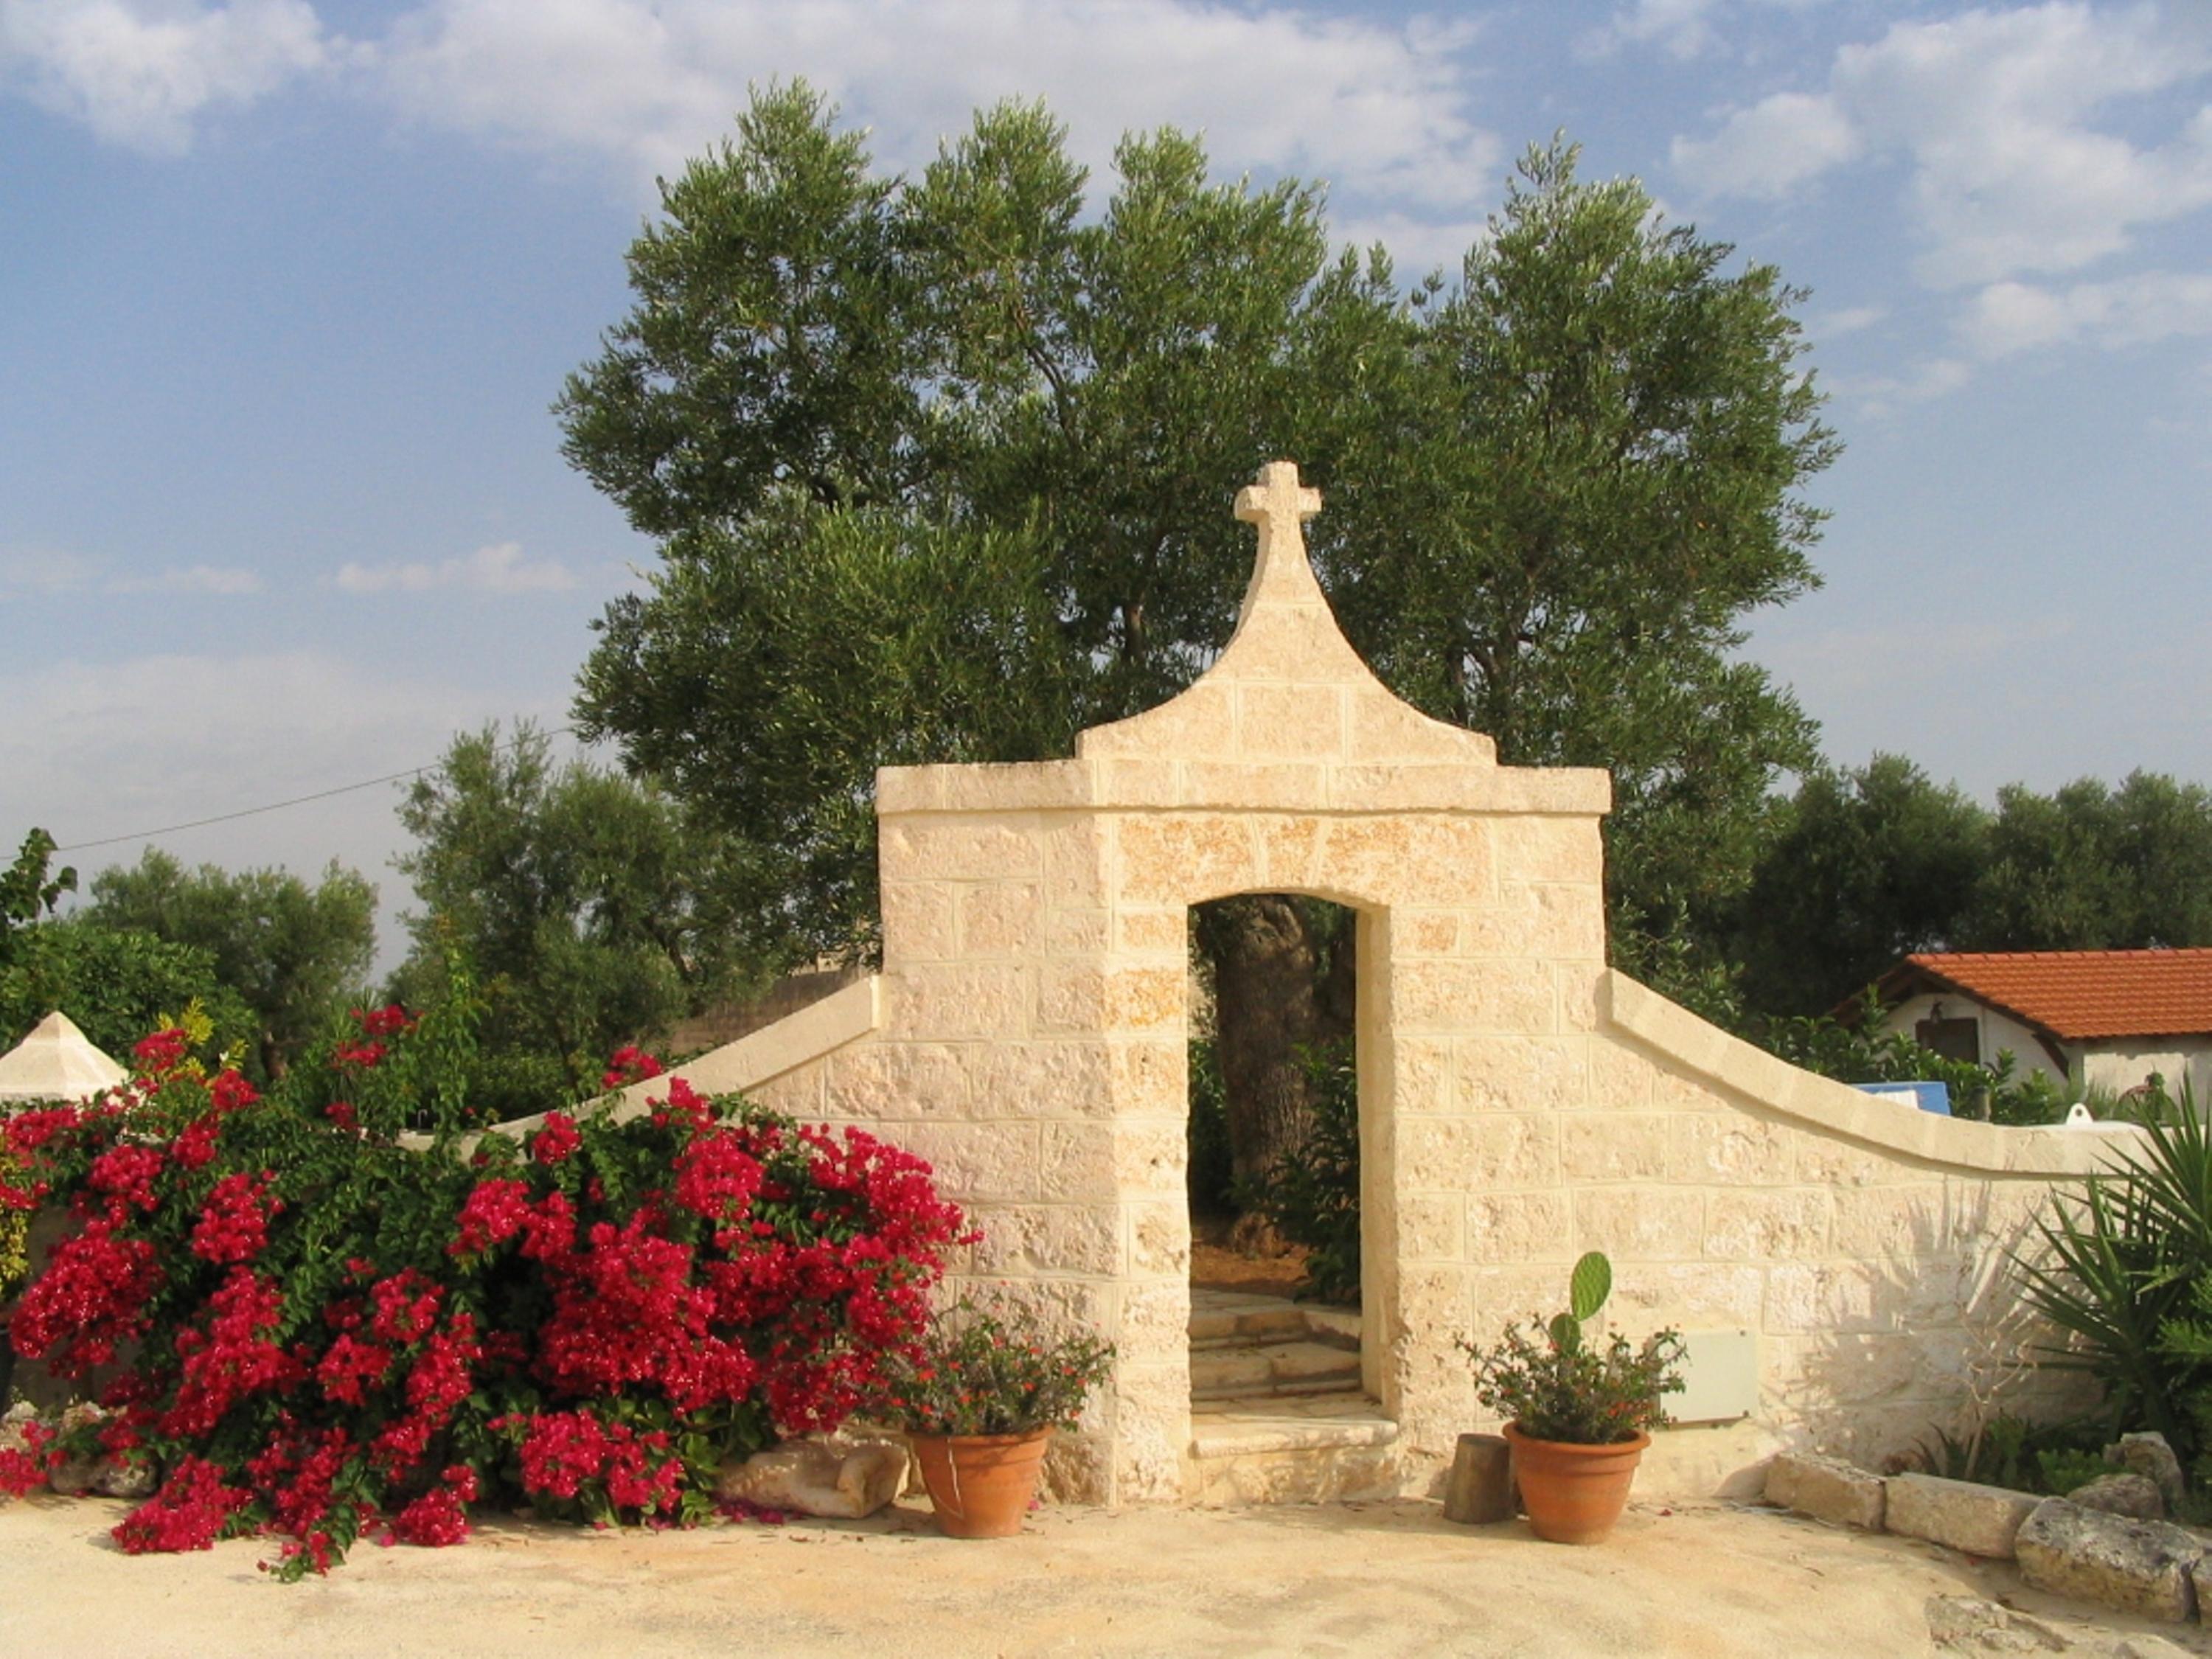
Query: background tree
{"type": "Point", "coordinates": [290, 952]}
{"type": "Point", "coordinates": [941, 471]}
{"type": "Point", "coordinates": [2089, 867]}
{"type": "Point", "coordinates": [1553, 534]}
{"type": "Point", "coordinates": [30, 889]}
{"type": "Point", "coordinates": [1863, 867]}
{"type": "Point", "coordinates": [118, 984]}
{"type": "Point", "coordinates": [582, 901]}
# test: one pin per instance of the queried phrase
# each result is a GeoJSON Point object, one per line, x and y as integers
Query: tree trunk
{"type": "Point", "coordinates": [1280, 982]}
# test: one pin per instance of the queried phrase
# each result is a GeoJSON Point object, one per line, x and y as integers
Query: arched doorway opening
{"type": "Point", "coordinates": [1275, 1178]}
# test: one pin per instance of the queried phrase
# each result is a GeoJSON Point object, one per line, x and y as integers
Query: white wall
{"type": "Point", "coordinates": [2120, 1063]}
{"type": "Point", "coordinates": [2001, 1033]}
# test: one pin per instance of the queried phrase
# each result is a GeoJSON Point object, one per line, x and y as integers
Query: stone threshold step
{"type": "Point", "coordinates": [1245, 1427]}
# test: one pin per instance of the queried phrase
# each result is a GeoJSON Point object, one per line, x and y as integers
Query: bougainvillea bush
{"type": "Point", "coordinates": [313, 1331]}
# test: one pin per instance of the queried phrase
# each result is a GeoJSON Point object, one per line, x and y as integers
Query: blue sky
{"type": "Point", "coordinates": [286, 289]}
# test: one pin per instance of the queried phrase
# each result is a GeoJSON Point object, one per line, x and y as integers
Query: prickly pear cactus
{"type": "Point", "coordinates": [1589, 1286]}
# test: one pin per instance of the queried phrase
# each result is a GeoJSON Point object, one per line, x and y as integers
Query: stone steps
{"type": "Point", "coordinates": [1245, 1368]}
{"type": "Point", "coordinates": [1277, 1416]}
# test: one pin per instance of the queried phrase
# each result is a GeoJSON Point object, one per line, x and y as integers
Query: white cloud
{"type": "Point", "coordinates": [1881, 395]}
{"type": "Point", "coordinates": [137, 71]}
{"type": "Point", "coordinates": [1682, 28]}
{"type": "Point", "coordinates": [1829, 324]}
{"type": "Point", "coordinates": [1778, 143]}
{"type": "Point", "coordinates": [497, 568]}
{"type": "Point", "coordinates": [1997, 113]}
{"type": "Point", "coordinates": [2006, 318]}
{"type": "Point", "coordinates": [208, 579]}
{"type": "Point", "coordinates": [1373, 108]}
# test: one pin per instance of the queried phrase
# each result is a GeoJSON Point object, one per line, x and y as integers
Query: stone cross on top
{"type": "Point", "coordinates": [1279, 504]}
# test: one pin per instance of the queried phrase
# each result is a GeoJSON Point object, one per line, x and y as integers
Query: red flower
{"type": "Point", "coordinates": [557, 1140]}
{"type": "Point", "coordinates": [162, 1052]}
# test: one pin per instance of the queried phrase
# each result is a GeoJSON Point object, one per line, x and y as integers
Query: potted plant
{"type": "Point", "coordinates": [1578, 1415]}
{"type": "Point", "coordinates": [979, 1399]}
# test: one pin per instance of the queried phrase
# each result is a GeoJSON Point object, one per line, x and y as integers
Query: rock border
{"type": "Point", "coordinates": [2152, 1569]}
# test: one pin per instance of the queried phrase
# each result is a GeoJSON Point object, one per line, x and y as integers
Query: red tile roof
{"type": "Point", "coordinates": [2077, 994]}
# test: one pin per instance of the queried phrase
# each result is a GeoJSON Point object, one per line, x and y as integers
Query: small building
{"type": "Point", "coordinates": [2104, 1019]}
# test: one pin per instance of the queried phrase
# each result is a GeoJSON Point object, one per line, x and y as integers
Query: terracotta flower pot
{"type": "Point", "coordinates": [980, 1485]}
{"type": "Point", "coordinates": [1574, 1494]}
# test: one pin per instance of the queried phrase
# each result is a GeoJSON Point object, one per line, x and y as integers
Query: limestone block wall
{"type": "Point", "coordinates": [1519, 1101]}
{"type": "Point", "coordinates": [1863, 1243]}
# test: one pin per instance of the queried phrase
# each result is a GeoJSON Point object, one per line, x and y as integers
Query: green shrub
{"type": "Point", "coordinates": [1863, 1052]}
{"type": "Point", "coordinates": [2121, 1265]}
{"type": "Point", "coordinates": [1312, 1197]}
{"type": "Point", "coordinates": [1208, 1173]}
{"type": "Point", "coordinates": [1551, 1385]}
{"type": "Point", "coordinates": [2011, 1451]}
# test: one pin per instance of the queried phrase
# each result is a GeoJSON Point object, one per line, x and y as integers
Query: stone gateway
{"type": "Point", "coordinates": [1519, 1101]}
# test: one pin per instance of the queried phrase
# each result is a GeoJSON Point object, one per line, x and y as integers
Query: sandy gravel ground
{"type": "Point", "coordinates": [1365, 1578]}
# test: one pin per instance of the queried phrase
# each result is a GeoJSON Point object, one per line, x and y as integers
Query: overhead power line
{"type": "Point", "coordinates": [279, 805]}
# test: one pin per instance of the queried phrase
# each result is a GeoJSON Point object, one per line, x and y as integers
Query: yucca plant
{"type": "Point", "coordinates": [2120, 1265]}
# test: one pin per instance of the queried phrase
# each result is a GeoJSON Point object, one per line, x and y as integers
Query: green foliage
{"type": "Point", "coordinates": [2089, 867]}
{"type": "Point", "coordinates": [1864, 1051]}
{"type": "Point", "coordinates": [2010, 1450]}
{"type": "Point", "coordinates": [2120, 1265]}
{"type": "Point", "coordinates": [1312, 1196]}
{"type": "Point", "coordinates": [116, 985]}
{"type": "Point", "coordinates": [1585, 485]}
{"type": "Point", "coordinates": [14, 1257]}
{"type": "Point", "coordinates": [1589, 1285]}
{"type": "Point", "coordinates": [28, 890]}
{"type": "Point", "coordinates": [995, 1369]}
{"type": "Point", "coordinates": [939, 468]}
{"type": "Point", "coordinates": [1554, 1385]}
{"type": "Point", "coordinates": [292, 954]}
{"type": "Point", "coordinates": [584, 903]}
{"type": "Point", "coordinates": [1208, 1171]}
{"type": "Point", "coordinates": [1863, 867]}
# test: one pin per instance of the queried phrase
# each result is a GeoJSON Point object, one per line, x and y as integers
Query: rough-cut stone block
{"type": "Point", "coordinates": [1827, 1489]}
{"type": "Point", "coordinates": [1181, 858]}
{"type": "Point", "coordinates": [1472, 1154]}
{"type": "Point", "coordinates": [1961, 1515]}
{"type": "Point", "coordinates": [1615, 1146]}
{"type": "Point", "coordinates": [1534, 848]}
{"type": "Point", "coordinates": [1641, 1224]}
{"type": "Point", "coordinates": [2129, 1494]}
{"type": "Point", "coordinates": [2148, 1455]}
{"type": "Point", "coordinates": [1289, 851]}
{"type": "Point", "coordinates": [1878, 1221]}
{"type": "Point", "coordinates": [920, 922]}
{"type": "Point", "coordinates": [1479, 1490]}
{"type": "Point", "coordinates": [2134, 1566]}
{"type": "Point", "coordinates": [1523, 1074]}
{"type": "Point", "coordinates": [1303, 721]}
{"type": "Point", "coordinates": [998, 919]}
{"type": "Point", "coordinates": [1728, 1147]}
{"type": "Point", "coordinates": [1447, 994]}
{"type": "Point", "coordinates": [846, 1482]}
{"type": "Point", "coordinates": [1969, 1622]}
{"type": "Point", "coordinates": [957, 851]}
{"type": "Point", "coordinates": [1504, 1227]}
{"type": "Point", "coordinates": [1790, 1224]}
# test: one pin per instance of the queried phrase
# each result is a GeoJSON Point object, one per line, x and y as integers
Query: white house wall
{"type": "Point", "coordinates": [2000, 1032]}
